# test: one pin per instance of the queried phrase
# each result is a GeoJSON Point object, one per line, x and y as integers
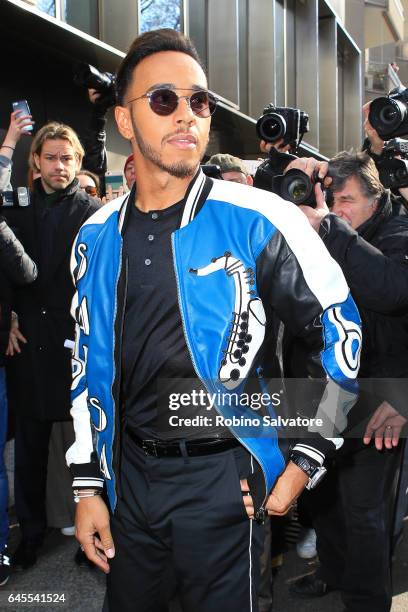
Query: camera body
{"type": "Point", "coordinates": [389, 114]}
{"type": "Point", "coordinates": [88, 76]}
{"type": "Point", "coordinates": [294, 185]}
{"type": "Point", "coordinates": [278, 122]}
{"type": "Point", "coordinates": [17, 198]}
{"type": "Point", "coordinates": [393, 172]}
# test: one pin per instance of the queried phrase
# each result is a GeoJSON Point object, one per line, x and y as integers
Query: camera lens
{"type": "Point", "coordinates": [271, 127]}
{"type": "Point", "coordinates": [296, 187]}
{"type": "Point", "coordinates": [297, 190]}
{"type": "Point", "coordinates": [386, 115]}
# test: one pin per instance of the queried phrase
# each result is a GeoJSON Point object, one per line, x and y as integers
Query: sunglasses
{"type": "Point", "coordinates": [164, 101]}
{"type": "Point", "coordinates": [90, 190]}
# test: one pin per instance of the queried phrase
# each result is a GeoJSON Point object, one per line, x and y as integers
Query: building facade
{"type": "Point", "coordinates": [308, 54]}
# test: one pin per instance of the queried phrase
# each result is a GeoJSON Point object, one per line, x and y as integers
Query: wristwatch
{"type": "Point", "coordinates": [315, 472]}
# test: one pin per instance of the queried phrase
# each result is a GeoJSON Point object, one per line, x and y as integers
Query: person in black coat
{"type": "Point", "coordinates": [16, 267]}
{"type": "Point", "coordinates": [367, 234]}
{"type": "Point", "coordinates": [40, 374]}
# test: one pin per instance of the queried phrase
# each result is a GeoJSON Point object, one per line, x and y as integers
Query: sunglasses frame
{"type": "Point", "coordinates": [149, 95]}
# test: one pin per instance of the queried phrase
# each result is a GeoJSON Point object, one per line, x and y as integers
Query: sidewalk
{"type": "Point", "coordinates": [84, 589]}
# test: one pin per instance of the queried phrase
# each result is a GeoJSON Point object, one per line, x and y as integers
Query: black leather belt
{"type": "Point", "coordinates": [181, 448]}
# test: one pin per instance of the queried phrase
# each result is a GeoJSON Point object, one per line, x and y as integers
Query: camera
{"type": "Point", "coordinates": [297, 187]}
{"type": "Point", "coordinates": [389, 114]}
{"type": "Point", "coordinates": [393, 172]}
{"type": "Point", "coordinates": [282, 122]}
{"type": "Point", "coordinates": [294, 186]}
{"type": "Point", "coordinates": [18, 198]}
{"type": "Point", "coordinates": [104, 82]}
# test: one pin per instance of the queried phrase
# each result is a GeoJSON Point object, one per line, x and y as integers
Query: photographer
{"type": "Point", "coordinates": [16, 129]}
{"type": "Point", "coordinates": [374, 145]}
{"type": "Point", "coordinates": [367, 234]}
{"type": "Point", "coordinates": [16, 267]}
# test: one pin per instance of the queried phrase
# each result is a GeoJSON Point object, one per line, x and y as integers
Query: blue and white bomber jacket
{"type": "Point", "coordinates": [241, 257]}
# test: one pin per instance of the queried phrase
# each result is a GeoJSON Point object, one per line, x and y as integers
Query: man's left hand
{"type": "Point", "coordinates": [287, 489]}
{"type": "Point", "coordinates": [386, 425]}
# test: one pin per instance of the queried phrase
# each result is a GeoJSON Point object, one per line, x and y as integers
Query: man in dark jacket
{"type": "Point", "coordinates": [40, 375]}
{"type": "Point", "coordinates": [367, 234]}
{"type": "Point", "coordinates": [16, 267]}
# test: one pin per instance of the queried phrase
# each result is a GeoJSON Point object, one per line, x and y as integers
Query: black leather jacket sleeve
{"type": "Point", "coordinates": [94, 141]}
{"type": "Point", "coordinates": [385, 286]}
{"type": "Point", "coordinates": [14, 261]}
{"type": "Point", "coordinates": [283, 285]}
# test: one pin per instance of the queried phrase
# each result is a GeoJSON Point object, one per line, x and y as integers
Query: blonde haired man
{"type": "Point", "coordinates": [40, 367]}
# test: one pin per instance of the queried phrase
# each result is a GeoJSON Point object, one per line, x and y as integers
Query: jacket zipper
{"type": "Point", "coordinates": [262, 509]}
{"type": "Point", "coordinates": [117, 430]}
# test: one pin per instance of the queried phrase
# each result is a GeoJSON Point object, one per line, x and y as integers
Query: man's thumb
{"type": "Point", "coordinates": [107, 542]}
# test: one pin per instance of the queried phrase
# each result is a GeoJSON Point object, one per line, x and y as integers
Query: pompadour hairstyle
{"type": "Point", "coordinates": [147, 44]}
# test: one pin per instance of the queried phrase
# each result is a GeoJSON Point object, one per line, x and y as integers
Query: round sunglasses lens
{"type": "Point", "coordinates": [203, 103]}
{"type": "Point", "coordinates": [199, 103]}
{"type": "Point", "coordinates": [163, 101]}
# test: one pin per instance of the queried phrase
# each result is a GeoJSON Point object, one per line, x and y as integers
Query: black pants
{"type": "Point", "coordinates": [30, 476]}
{"type": "Point", "coordinates": [352, 513]}
{"type": "Point", "coordinates": [181, 525]}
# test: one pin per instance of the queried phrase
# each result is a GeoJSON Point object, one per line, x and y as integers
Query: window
{"type": "Point", "coordinates": [82, 14]}
{"type": "Point", "coordinates": [47, 6]}
{"type": "Point", "coordinates": [160, 14]}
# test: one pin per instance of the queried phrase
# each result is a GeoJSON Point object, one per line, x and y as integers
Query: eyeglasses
{"type": "Point", "coordinates": [164, 101]}
{"type": "Point", "coordinates": [90, 190]}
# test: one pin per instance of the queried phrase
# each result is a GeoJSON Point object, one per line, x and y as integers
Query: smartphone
{"type": "Point", "coordinates": [22, 107]}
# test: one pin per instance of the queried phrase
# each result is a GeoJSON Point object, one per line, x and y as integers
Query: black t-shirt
{"type": "Point", "coordinates": [156, 363]}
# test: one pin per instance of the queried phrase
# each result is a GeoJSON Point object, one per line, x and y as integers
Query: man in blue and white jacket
{"type": "Point", "coordinates": [181, 280]}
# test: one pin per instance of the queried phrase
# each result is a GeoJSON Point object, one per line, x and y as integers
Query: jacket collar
{"type": "Point", "coordinates": [195, 196]}
{"type": "Point", "coordinates": [69, 190]}
{"type": "Point", "coordinates": [384, 210]}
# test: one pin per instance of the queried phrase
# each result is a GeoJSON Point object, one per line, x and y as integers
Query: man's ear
{"type": "Point", "coordinates": [124, 122]}
{"type": "Point", "coordinates": [36, 159]}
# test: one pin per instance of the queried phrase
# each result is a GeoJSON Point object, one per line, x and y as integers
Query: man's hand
{"type": "Point", "coordinates": [265, 147]}
{"type": "Point", "coordinates": [93, 95]}
{"type": "Point", "coordinates": [386, 425]}
{"type": "Point", "coordinates": [93, 531]}
{"type": "Point", "coordinates": [287, 489]}
{"type": "Point", "coordinates": [376, 143]}
{"type": "Point", "coordinates": [15, 336]}
{"type": "Point", "coordinates": [310, 166]}
{"type": "Point", "coordinates": [248, 501]}
{"type": "Point", "coordinates": [316, 215]}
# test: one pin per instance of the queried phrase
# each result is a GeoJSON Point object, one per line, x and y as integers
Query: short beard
{"type": "Point", "coordinates": [179, 170]}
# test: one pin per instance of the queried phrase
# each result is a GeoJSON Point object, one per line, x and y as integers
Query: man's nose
{"type": "Point", "coordinates": [183, 112]}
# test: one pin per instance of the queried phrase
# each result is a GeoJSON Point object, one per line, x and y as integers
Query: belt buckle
{"type": "Point", "coordinates": [150, 448]}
